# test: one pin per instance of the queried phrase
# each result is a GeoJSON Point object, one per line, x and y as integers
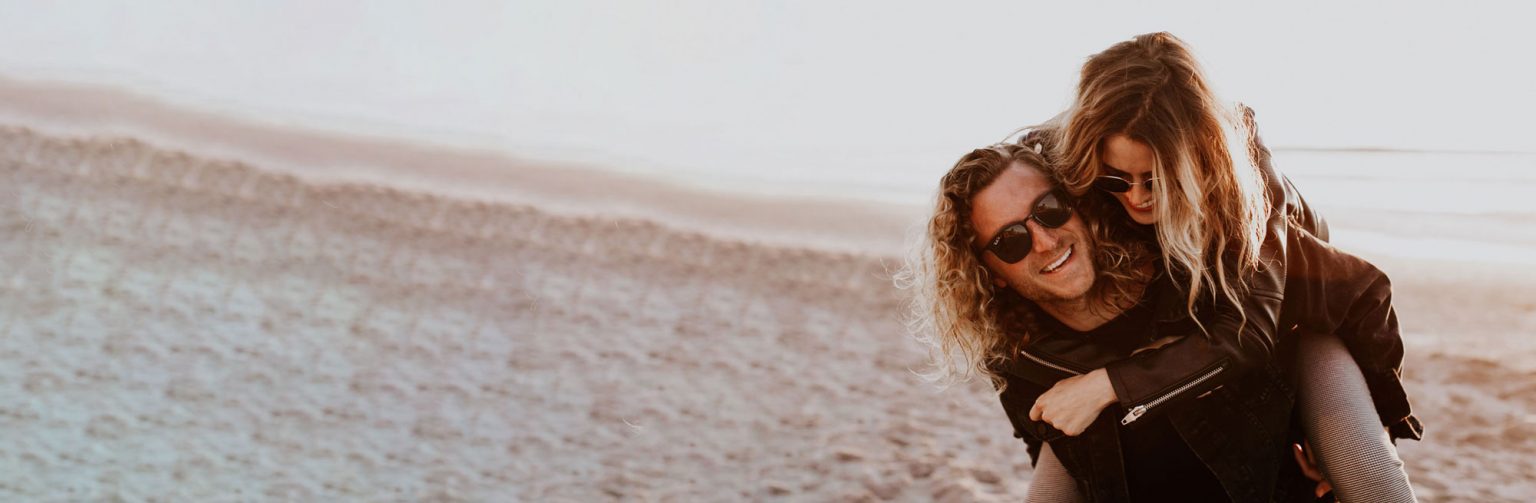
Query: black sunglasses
{"type": "Point", "coordinates": [1118, 185]}
{"type": "Point", "coordinates": [1014, 241]}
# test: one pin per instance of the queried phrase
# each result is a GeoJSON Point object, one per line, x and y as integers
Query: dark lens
{"type": "Point", "coordinates": [1112, 184]}
{"type": "Point", "coordinates": [1013, 243]}
{"type": "Point", "coordinates": [1052, 211]}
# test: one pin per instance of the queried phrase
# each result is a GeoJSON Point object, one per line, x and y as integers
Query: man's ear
{"type": "Point", "coordinates": [997, 281]}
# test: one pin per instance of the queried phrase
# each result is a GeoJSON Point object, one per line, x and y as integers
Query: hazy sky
{"type": "Point", "coordinates": [803, 87]}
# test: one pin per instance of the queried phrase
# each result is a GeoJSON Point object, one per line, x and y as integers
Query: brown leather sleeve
{"type": "Point", "coordinates": [1330, 291]}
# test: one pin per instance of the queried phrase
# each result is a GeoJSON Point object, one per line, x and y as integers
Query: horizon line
{"type": "Point", "coordinates": [1396, 150]}
{"type": "Point", "coordinates": [112, 92]}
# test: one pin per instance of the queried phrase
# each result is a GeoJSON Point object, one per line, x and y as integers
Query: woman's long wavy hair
{"type": "Point", "coordinates": [1212, 203]}
{"type": "Point", "coordinates": [968, 323]}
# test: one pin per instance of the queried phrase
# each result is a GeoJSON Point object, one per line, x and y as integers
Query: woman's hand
{"type": "Point", "coordinates": [1073, 403]}
{"type": "Point", "coordinates": [1158, 343]}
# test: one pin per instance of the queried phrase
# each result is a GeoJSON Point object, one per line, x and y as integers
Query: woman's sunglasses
{"type": "Point", "coordinates": [1014, 242]}
{"type": "Point", "coordinates": [1119, 185]}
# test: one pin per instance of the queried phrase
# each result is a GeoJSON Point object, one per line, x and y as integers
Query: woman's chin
{"type": "Point", "coordinates": [1145, 216]}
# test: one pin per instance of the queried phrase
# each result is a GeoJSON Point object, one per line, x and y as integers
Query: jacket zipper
{"type": "Point", "coordinates": [1137, 411]}
{"type": "Point", "coordinates": [1042, 361]}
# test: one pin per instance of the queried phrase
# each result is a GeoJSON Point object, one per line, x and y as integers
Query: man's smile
{"type": "Point", "coordinates": [1062, 260]}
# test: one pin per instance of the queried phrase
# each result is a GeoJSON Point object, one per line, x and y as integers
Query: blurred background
{"type": "Point", "coordinates": [498, 251]}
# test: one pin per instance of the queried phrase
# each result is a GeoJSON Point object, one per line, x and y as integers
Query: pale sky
{"type": "Point", "coordinates": [804, 87]}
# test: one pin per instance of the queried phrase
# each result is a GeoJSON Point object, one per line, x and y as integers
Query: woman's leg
{"type": "Point", "coordinates": [1341, 425]}
{"type": "Point", "coordinates": [1051, 482]}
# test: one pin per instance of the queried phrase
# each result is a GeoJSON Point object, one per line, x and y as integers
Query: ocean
{"type": "Point", "coordinates": [866, 102]}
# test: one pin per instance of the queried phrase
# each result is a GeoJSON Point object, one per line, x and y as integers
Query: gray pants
{"type": "Point", "coordinates": [1341, 425]}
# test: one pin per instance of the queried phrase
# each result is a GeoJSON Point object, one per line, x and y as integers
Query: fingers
{"type": "Point", "coordinates": [1301, 460]}
{"type": "Point", "coordinates": [1312, 471]}
{"type": "Point", "coordinates": [1067, 425]}
{"type": "Point", "coordinates": [1037, 411]}
{"type": "Point", "coordinates": [1307, 467]}
{"type": "Point", "coordinates": [1157, 344]}
{"type": "Point", "coordinates": [1071, 422]}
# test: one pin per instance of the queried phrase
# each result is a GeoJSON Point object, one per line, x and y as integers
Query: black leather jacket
{"type": "Point", "coordinates": [1228, 394]}
{"type": "Point", "coordinates": [1241, 430]}
{"type": "Point", "coordinates": [1234, 414]}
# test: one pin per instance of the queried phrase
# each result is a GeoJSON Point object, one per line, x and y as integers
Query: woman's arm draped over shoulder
{"type": "Point", "coordinates": [1240, 337]}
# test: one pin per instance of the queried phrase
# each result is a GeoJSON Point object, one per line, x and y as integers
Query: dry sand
{"type": "Point", "coordinates": [187, 328]}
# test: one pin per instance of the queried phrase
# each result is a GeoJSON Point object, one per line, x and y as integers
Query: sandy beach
{"type": "Point", "coordinates": [251, 321]}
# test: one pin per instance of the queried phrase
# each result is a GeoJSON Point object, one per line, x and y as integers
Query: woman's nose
{"type": "Point", "coordinates": [1139, 192]}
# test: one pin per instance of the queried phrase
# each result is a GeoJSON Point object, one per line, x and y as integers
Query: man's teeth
{"type": "Point", "coordinates": [1059, 261]}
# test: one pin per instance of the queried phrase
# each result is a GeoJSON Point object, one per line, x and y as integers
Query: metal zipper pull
{"type": "Point", "coordinates": [1135, 414]}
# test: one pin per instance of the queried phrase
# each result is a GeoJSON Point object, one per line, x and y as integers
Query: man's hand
{"type": "Point", "coordinates": [1073, 403]}
{"type": "Point", "coordinates": [1308, 463]}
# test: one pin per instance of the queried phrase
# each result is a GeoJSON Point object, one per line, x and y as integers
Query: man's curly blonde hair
{"type": "Point", "coordinates": [969, 324]}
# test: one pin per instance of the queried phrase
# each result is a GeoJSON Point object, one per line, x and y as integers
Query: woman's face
{"type": "Point", "coordinates": [1131, 160]}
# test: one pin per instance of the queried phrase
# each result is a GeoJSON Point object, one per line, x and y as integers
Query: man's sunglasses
{"type": "Point", "coordinates": [1014, 241]}
{"type": "Point", "coordinates": [1119, 185]}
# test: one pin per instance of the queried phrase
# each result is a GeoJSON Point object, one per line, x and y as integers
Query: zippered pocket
{"type": "Point", "coordinates": [1139, 410]}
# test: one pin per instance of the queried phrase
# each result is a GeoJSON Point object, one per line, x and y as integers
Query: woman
{"type": "Point", "coordinates": [1147, 133]}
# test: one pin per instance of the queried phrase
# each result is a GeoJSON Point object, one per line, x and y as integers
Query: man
{"type": "Point", "coordinates": [1040, 297]}
{"type": "Point", "coordinates": [1057, 274]}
